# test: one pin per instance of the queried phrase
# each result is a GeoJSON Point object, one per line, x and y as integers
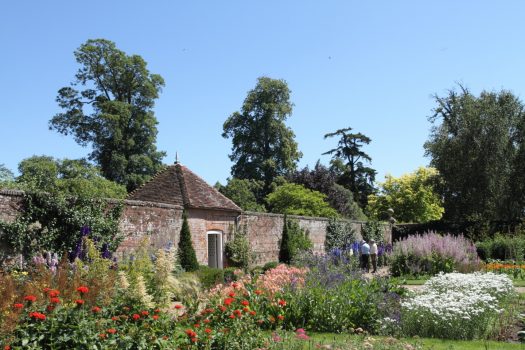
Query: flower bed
{"type": "Point", "coordinates": [456, 306]}
{"type": "Point", "coordinates": [431, 253]}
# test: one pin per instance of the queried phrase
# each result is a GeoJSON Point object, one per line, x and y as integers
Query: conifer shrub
{"type": "Point", "coordinates": [186, 253]}
{"type": "Point", "coordinates": [285, 254]}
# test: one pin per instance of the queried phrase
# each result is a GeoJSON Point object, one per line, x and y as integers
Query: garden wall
{"type": "Point", "coordinates": [161, 223]}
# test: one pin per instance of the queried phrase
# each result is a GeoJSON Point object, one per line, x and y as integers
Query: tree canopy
{"type": "Point", "coordinates": [243, 192]}
{"type": "Point", "coordinates": [68, 177]}
{"type": "Point", "coordinates": [295, 199]}
{"type": "Point", "coordinates": [477, 145]}
{"type": "Point", "coordinates": [263, 147]}
{"type": "Point", "coordinates": [348, 160]}
{"type": "Point", "coordinates": [109, 106]}
{"type": "Point", "coordinates": [6, 175]}
{"type": "Point", "coordinates": [323, 179]}
{"type": "Point", "coordinates": [411, 196]}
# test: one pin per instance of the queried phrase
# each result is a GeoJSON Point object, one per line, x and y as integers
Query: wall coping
{"type": "Point", "coordinates": [12, 193]}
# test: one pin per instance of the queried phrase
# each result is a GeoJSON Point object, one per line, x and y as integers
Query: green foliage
{"type": "Point", "coordinates": [270, 265]}
{"type": "Point", "coordinates": [238, 250]}
{"type": "Point", "coordinates": [295, 199]}
{"type": "Point", "coordinates": [294, 241]}
{"type": "Point", "coordinates": [113, 112]}
{"type": "Point", "coordinates": [477, 144]}
{"type": "Point", "coordinates": [339, 234]}
{"type": "Point", "coordinates": [339, 307]}
{"type": "Point", "coordinates": [411, 196]}
{"type": "Point", "coordinates": [323, 179]}
{"type": "Point", "coordinates": [373, 230]}
{"type": "Point", "coordinates": [53, 223]}
{"type": "Point", "coordinates": [186, 253]}
{"type": "Point", "coordinates": [6, 175]}
{"type": "Point", "coordinates": [502, 247]}
{"type": "Point", "coordinates": [209, 276]}
{"type": "Point", "coordinates": [69, 177]}
{"type": "Point", "coordinates": [285, 254]}
{"type": "Point", "coordinates": [246, 193]}
{"type": "Point", "coordinates": [299, 240]}
{"type": "Point", "coordinates": [263, 146]}
{"type": "Point", "coordinates": [348, 161]}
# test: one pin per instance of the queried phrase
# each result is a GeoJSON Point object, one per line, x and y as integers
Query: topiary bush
{"type": "Point", "coordinates": [186, 253]}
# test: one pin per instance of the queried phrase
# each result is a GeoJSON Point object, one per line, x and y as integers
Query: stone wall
{"type": "Point", "coordinates": [10, 204]}
{"type": "Point", "coordinates": [161, 224]}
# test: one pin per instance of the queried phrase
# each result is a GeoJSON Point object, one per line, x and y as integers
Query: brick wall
{"type": "Point", "coordinates": [161, 224]}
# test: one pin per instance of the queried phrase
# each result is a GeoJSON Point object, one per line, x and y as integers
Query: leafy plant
{"type": "Point", "coordinates": [339, 234]}
{"type": "Point", "coordinates": [186, 253]}
{"type": "Point", "coordinates": [238, 250]}
{"type": "Point", "coordinates": [55, 223]}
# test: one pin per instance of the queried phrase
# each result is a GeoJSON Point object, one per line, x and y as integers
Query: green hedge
{"type": "Point", "coordinates": [502, 248]}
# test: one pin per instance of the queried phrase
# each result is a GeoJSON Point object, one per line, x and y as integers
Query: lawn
{"type": "Point", "coordinates": [427, 343]}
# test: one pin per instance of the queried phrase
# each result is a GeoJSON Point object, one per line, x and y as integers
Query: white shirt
{"type": "Point", "coordinates": [373, 248]}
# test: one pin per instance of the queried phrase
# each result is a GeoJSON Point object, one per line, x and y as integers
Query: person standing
{"type": "Point", "coordinates": [365, 252]}
{"type": "Point", "coordinates": [373, 255]}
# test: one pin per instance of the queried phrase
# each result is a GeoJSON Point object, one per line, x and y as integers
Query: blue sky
{"type": "Point", "coordinates": [371, 65]}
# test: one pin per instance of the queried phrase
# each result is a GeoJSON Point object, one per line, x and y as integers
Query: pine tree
{"type": "Point", "coordinates": [284, 251]}
{"type": "Point", "coordinates": [187, 257]}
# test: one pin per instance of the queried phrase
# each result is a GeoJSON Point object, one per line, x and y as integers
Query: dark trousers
{"type": "Point", "coordinates": [364, 262]}
{"type": "Point", "coordinates": [374, 262]}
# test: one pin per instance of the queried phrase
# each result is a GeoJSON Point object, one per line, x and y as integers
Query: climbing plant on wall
{"type": "Point", "coordinates": [53, 222]}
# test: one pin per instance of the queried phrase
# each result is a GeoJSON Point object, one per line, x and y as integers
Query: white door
{"type": "Point", "coordinates": [215, 249]}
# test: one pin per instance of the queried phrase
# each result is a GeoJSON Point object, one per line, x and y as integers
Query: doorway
{"type": "Point", "coordinates": [215, 249]}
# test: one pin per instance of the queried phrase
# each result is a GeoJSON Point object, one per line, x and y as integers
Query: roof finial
{"type": "Point", "coordinates": [176, 157]}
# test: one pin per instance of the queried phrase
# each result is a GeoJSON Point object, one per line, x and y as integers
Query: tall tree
{"type": "Point", "coordinates": [475, 144]}
{"type": "Point", "coordinates": [295, 199]}
{"type": "Point", "coordinates": [412, 197]}
{"type": "Point", "coordinates": [349, 160]}
{"type": "Point", "coordinates": [323, 179]}
{"type": "Point", "coordinates": [263, 146]}
{"type": "Point", "coordinates": [109, 105]}
{"type": "Point", "coordinates": [6, 175]}
{"type": "Point", "coordinates": [243, 192]}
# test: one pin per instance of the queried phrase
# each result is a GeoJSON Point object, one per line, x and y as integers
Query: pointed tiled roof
{"type": "Point", "coordinates": [178, 185]}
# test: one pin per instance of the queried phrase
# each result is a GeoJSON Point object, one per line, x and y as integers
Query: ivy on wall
{"type": "Point", "coordinates": [52, 222]}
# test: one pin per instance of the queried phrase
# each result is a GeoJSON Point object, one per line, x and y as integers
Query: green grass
{"type": "Point", "coordinates": [426, 343]}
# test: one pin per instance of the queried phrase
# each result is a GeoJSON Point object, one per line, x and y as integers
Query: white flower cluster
{"type": "Point", "coordinates": [497, 285]}
{"type": "Point", "coordinates": [455, 305]}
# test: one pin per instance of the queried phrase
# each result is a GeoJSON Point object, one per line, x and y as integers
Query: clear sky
{"type": "Point", "coordinates": [371, 65]}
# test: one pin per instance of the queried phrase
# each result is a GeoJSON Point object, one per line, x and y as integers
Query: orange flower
{"type": "Point", "coordinates": [280, 317]}
{"type": "Point", "coordinates": [96, 309]}
{"type": "Point", "coordinates": [155, 317]}
{"type": "Point", "coordinates": [178, 306]}
{"type": "Point", "coordinates": [53, 293]}
{"type": "Point", "coordinates": [112, 330]}
{"type": "Point", "coordinates": [258, 291]}
{"type": "Point", "coordinates": [79, 302]}
{"type": "Point", "coordinates": [207, 330]}
{"type": "Point", "coordinates": [282, 302]}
